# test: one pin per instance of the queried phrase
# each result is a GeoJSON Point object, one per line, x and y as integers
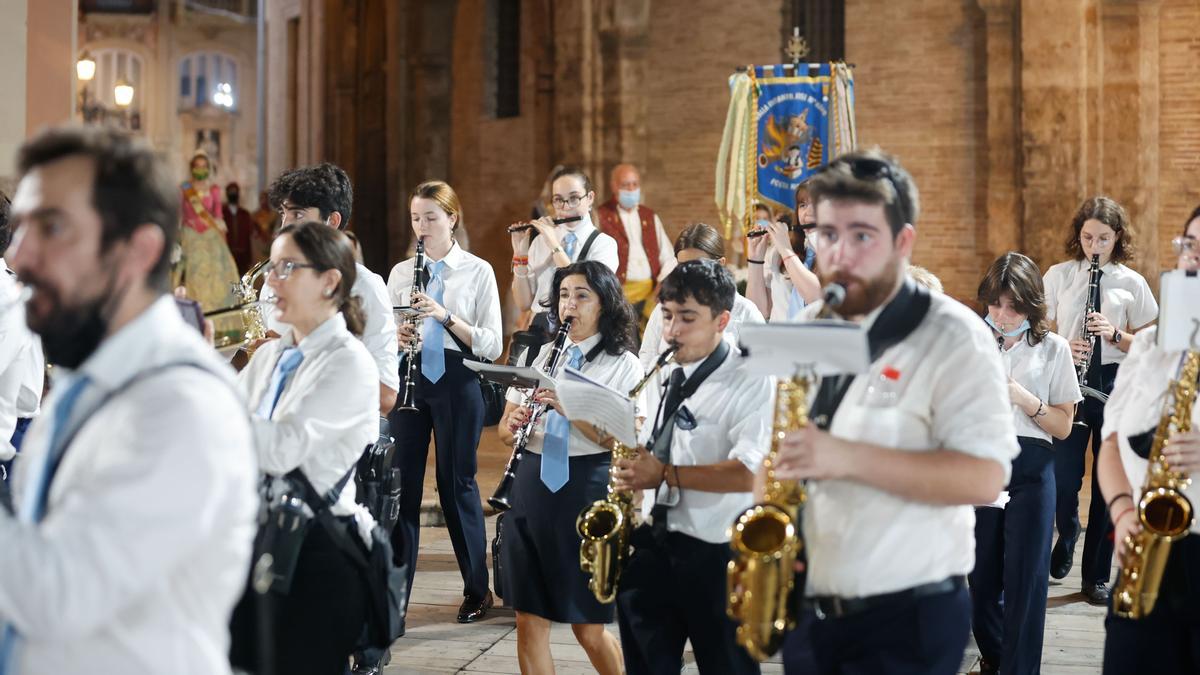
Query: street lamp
{"type": "Point", "coordinates": [123, 94]}
{"type": "Point", "coordinates": [85, 67]}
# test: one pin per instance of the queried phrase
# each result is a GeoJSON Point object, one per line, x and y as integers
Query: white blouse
{"type": "Point", "coordinates": [1047, 371]}
{"type": "Point", "coordinates": [541, 259]}
{"type": "Point", "coordinates": [470, 294]}
{"type": "Point", "coordinates": [1137, 402]}
{"type": "Point", "coordinates": [620, 372]}
{"type": "Point", "coordinates": [1125, 300]}
{"type": "Point", "coordinates": [327, 413]}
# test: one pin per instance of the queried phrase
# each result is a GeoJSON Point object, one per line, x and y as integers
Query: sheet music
{"type": "Point", "coordinates": [1179, 312]}
{"type": "Point", "coordinates": [586, 400]}
{"type": "Point", "coordinates": [824, 347]}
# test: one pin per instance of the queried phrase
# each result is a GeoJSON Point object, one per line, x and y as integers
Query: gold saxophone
{"type": "Point", "coordinates": [249, 306]}
{"type": "Point", "coordinates": [605, 526]}
{"type": "Point", "coordinates": [765, 540]}
{"type": "Point", "coordinates": [1164, 512]}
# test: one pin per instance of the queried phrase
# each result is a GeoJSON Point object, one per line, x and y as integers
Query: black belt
{"type": "Point", "coordinates": [834, 607]}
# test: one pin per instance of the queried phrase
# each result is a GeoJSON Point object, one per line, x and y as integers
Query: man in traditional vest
{"type": "Point", "coordinates": [645, 253]}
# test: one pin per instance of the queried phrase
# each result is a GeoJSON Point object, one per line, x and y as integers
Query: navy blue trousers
{"type": "Point", "coordinates": [1012, 564]}
{"type": "Point", "coordinates": [673, 590]}
{"type": "Point", "coordinates": [1069, 467]}
{"type": "Point", "coordinates": [1166, 641]}
{"type": "Point", "coordinates": [911, 636]}
{"type": "Point", "coordinates": [452, 411]}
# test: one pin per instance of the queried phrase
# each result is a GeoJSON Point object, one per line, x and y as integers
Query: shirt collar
{"type": "Point", "coordinates": [1109, 267]}
{"type": "Point", "coordinates": [454, 258]}
{"type": "Point", "coordinates": [582, 228]}
{"type": "Point", "coordinates": [321, 337]}
{"type": "Point", "coordinates": [589, 344]}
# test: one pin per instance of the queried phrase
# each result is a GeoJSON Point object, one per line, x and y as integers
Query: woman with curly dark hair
{"type": "Point", "coordinates": [1125, 305]}
{"type": "Point", "coordinates": [1012, 542]}
{"type": "Point", "coordinates": [564, 470]}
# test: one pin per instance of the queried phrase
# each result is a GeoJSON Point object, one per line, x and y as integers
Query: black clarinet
{"type": "Point", "coordinates": [408, 402]}
{"type": "Point", "coordinates": [500, 500]}
{"type": "Point", "coordinates": [1083, 372]}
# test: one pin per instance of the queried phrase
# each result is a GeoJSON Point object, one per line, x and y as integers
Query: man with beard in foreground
{"type": "Point", "coordinates": [896, 456]}
{"type": "Point", "coordinates": [135, 500]}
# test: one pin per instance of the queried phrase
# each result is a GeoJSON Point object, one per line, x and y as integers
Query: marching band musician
{"type": "Point", "coordinates": [710, 434]}
{"type": "Point", "coordinates": [1012, 542]}
{"type": "Point", "coordinates": [696, 242]}
{"type": "Point", "coordinates": [311, 395]}
{"type": "Point", "coordinates": [563, 471]}
{"type": "Point", "coordinates": [1100, 227]}
{"type": "Point", "coordinates": [135, 494]}
{"type": "Point", "coordinates": [323, 192]}
{"type": "Point", "coordinates": [535, 261]}
{"type": "Point", "coordinates": [460, 319]}
{"type": "Point", "coordinates": [894, 457]}
{"type": "Point", "coordinates": [781, 281]}
{"type": "Point", "coordinates": [1167, 639]}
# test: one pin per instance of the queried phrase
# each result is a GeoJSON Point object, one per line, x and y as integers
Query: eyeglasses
{"type": "Point", "coordinates": [1185, 245]}
{"type": "Point", "coordinates": [1103, 240]}
{"type": "Point", "coordinates": [283, 269]}
{"type": "Point", "coordinates": [569, 203]}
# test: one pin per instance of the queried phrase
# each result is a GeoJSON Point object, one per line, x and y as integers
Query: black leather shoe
{"type": "Point", "coordinates": [1096, 594]}
{"type": "Point", "coordinates": [474, 609]}
{"type": "Point", "coordinates": [1062, 558]}
{"type": "Point", "coordinates": [986, 668]}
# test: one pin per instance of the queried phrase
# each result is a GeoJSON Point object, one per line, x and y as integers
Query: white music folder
{"type": "Point", "coordinates": [1179, 312]}
{"type": "Point", "coordinates": [586, 400]}
{"type": "Point", "coordinates": [821, 347]}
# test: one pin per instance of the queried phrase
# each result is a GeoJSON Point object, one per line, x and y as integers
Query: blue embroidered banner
{"type": "Point", "coordinates": [792, 116]}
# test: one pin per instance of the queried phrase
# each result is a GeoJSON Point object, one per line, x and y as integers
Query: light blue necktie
{"type": "Point", "coordinates": [555, 466]}
{"type": "Point", "coordinates": [795, 304]}
{"type": "Point", "coordinates": [34, 504]}
{"type": "Point", "coordinates": [433, 349]}
{"type": "Point", "coordinates": [287, 364]}
{"type": "Point", "coordinates": [569, 244]}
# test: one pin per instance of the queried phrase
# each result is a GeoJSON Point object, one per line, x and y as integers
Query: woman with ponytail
{"type": "Point", "coordinates": [312, 397]}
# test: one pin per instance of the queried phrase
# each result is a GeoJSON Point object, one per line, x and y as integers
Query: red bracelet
{"type": "Point", "coordinates": [1122, 515]}
{"type": "Point", "coordinates": [789, 257]}
{"type": "Point", "coordinates": [520, 260]}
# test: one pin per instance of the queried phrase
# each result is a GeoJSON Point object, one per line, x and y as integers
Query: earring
{"type": "Point", "coordinates": [329, 292]}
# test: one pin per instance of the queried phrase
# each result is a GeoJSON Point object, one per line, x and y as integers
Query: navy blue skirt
{"type": "Point", "coordinates": [540, 549]}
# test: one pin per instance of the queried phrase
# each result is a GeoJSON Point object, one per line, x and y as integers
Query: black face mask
{"type": "Point", "coordinates": [232, 197]}
{"type": "Point", "coordinates": [71, 334]}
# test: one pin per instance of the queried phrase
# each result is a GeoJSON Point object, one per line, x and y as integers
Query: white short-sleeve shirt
{"type": "Point", "coordinates": [1047, 371]}
{"type": "Point", "coordinates": [733, 414]}
{"type": "Point", "coordinates": [953, 395]}
{"type": "Point", "coordinates": [1125, 300]}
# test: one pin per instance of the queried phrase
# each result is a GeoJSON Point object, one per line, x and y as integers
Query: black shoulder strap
{"type": "Point", "coordinates": [587, 245]}
{"type": "Point", "coordinates": [320, 507]}
{"type": "Point", "coordinates": [895, 323]}
{"type": "Point", "coordinates": [111, 395]}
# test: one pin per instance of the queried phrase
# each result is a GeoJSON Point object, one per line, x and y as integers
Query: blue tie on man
{"type": "Point", "coordinates": [287, 364]}
{"type": "Point", "coordinates": [555, 456]}
{"type": "Point", "coordinates": [433, 354]}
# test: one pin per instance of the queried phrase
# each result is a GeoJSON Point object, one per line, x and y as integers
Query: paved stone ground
{"type": "Point", "coordinates": [435, 643]}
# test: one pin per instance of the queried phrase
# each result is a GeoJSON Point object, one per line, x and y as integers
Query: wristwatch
{"type": "Point", "coordinates": [449, 321]}
{"type": "Point", "coordinates": [1116, 337]}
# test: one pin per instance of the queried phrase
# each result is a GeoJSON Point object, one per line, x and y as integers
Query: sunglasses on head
{"type": "Point", "coordinates": [869, 168]}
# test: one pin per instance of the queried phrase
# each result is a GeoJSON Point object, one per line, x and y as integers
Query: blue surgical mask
{"type": "Point", "coordinates": [629, 199]}
{"type": "Point", "coordinates": [1013, 333]}
{"type": "Point", "coordinates": [762, 222]}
